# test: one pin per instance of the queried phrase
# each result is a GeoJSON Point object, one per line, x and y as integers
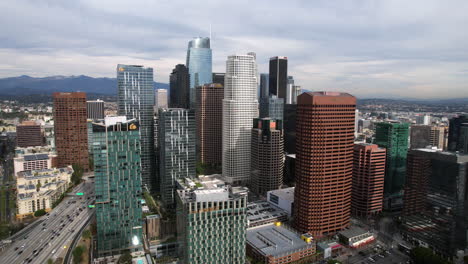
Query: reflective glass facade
{"type": "Point", "coordinates": [136, 100]}
{"type": "Point", "coordinates": [117, 172]}
{"type": "Point", "coordinates": [272, 108]}
{"type": "Point", "coordinates": [199, 63]}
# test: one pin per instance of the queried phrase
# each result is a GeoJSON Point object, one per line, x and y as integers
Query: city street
{"type": "Point", "coordinates": [53, 236]}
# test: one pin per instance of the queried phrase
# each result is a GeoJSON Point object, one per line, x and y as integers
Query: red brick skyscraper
{"type": "Point", "coordinates": [209, 117]}
{"type": "Point", "coordinates": [368, 179]}
{"type": "Point", "coordinates": [71, 136]}
{"type": "Point", "coordinates": [324, 161]}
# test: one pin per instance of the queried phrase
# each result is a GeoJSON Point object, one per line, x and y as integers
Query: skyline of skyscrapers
{"type": "Point", "coordinates": [199, 64]}
{"type": "Point", "coordinates": [70, 129]}
{"type": "Point", "coordinates": [136, 101]}
{"type": "Point", "coordinates": [240, 107]}
{"type": "Point", "coordinates": [117, 169]}
{"type": "Point", "coordinates": [179, 83]}
{"type": "Point", "coordinates": [324, 162]}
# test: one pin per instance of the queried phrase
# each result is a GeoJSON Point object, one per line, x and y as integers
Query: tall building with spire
{"type": "Point", "coordinates": [136, 101]}
{"type": "Point", "coordinates": [324, 162]}
{"type": "Point", "coordinates": [240, 107]}
{"type": "Point", "coordinates": [199, 64]}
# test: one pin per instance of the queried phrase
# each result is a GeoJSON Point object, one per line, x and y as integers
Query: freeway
{"type": "Point", "coordinates": [53, 236]}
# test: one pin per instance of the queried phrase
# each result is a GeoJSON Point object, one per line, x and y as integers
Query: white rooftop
{"type": "Point", "coordinates": [285, 194]}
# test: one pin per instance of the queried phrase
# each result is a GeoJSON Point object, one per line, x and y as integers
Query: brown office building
{"type": "Point", "coordinates": [209, 119]}
{"type": "Point", "coordinates": [71, 136]}
{"type": "Point", "coordinates": [422, 136]}
{"type": "Point", "coordinates": [324, 162]}
{"type": "Point", "coordinates": [418, 169]}
{"type": "Point", "coordinates": [368, 179]}
{"type": "Point", "coordinates": [267, 155]}
{"type": "Point", "coordinates": [29, 134]}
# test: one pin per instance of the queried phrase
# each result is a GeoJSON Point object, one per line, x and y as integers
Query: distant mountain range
{"type": "Point", "coordinates": [26, 85]}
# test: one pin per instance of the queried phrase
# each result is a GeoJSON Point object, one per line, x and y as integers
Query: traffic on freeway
{"type": "Point", "coordinates": [53, 236]}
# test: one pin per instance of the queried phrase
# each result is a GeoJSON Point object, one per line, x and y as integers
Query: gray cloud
{"type": "Point", "coordinates": [401, 48]}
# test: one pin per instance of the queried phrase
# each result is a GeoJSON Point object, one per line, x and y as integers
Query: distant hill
{"type": "Point", "coordinates": [26, 85]}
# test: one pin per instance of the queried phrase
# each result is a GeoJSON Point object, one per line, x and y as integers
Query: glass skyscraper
{"type": "Point", "coordinates": [177, 155]}
{"type": "Point", "coordinates": [136, 100]}
{"type": "Point", "coordinates": [199, 63]}
{"type": "Point", "coordinates": [272, 107]}
{"type": "Point", "coordinates": [117, 168]}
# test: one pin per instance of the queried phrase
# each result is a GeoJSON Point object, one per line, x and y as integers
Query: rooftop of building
{"type": "Point", "coordinates": [155, 216]}
{"type": "Point", "coordinates": [435, 153]}
{"type": "Point", "coordinates": [263, 211]}
{"type": "Point", "coordinates": [29, 123]}
{"type": "Point", "coordinates": [44, 173]}
{"type": "Point", "coordinates": [285, 194]}
{"type": "Point", "coordinates": [353, 232]}
{"type": "Point", "coordinates": [32, 157]}
{"type": "Point", "coordinates": [207, 188]}
{"type": "Point", "coordinates": [276, 240]}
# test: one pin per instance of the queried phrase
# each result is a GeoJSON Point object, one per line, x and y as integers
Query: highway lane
{"type": "Point", "coordinates": [57, 229]}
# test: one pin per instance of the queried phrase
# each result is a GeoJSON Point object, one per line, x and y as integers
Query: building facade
{"type": "Point", "coordinates": [267, 152]}
{"type": "Point", "coordinates": [71, 135]}
{"type": "Point", "coordinates": [422, 136]}
{"type": "Point", "coordinates": [29, 134]}
{"type": "Point", "coordinates": [40, 189]}
{"type": "Point", "coordinates": [393, 137]}
{"type": "Point", "coordinates": [136, 101]}
{"type": "Point", "coordinates": [218, 77]}
{"type": "Point", "coordinates": [278, 77]}
{"type": "Point", "coordinates": [209, 122]}
{"type": "Point", "coordinates": [435, 201]}
{"type": "Point", "coordinates": [211, 221]}
{"type": "Point", "coordinates": [264, 86]}
{"type": "Point", "coordinates": [177, 158]}
{"type": "Point", "coordinates": [240, 107]}
{"type": "Point", "coordinates": [324, 157]}
{"type": "Point", "coordinates": [290, 111]}
{"type": "Point", "coordinates": [272, 107]}
{"type": "Point", "coordinates": [33, 162]}
{"type": "Point", "coordinates": [454, 132]}
{"type": "Point", "coordinates": [95, 109]}
{"type": "Point", "coordinates": [179, 83]}
{"type": "Point", "coordinates": [368, 180]}
{"type": "Point", "coordinates": [199, 64]}
{"type": "Point", "coordinates": [160, 99]}
{"type": "Point", "coordinates": [117, 169]}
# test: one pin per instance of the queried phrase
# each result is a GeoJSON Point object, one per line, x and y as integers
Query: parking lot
{"type": "Point", "coordinates": [377, 255]}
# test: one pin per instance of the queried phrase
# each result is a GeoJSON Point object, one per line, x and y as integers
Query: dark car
{"type": "Point", "coordinates": [19, 252]}
{"type": "Point", "coordinates": [16, 248]}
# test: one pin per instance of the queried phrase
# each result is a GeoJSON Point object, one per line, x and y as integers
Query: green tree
{"type": "Point", "coordinates": [465, 259]}
{"type": "Point", "coordinates": [78, 254]}
{"type": "Point", "coordinates": [50, 261]}
{"type": "Point", "coordinates": [125, 258]}
{"type": "Point", "coordinates": [77, 174]}
{"type": "Point", "coordinates": [422, 255]}
{"type": "Point", "coordinates": [87, 234]}
{"type": "Point", "coordinates": [39, 213]}
{"type": "Point", "coordinates": [333, 261]}
{"type": "Point", "coordinates": [91, 163]}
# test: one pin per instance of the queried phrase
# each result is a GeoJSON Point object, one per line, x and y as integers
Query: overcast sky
{"type": "Point", "coordinates": [416, 48]}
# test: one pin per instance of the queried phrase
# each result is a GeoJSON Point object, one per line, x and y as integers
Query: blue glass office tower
{"type": "Point", "coordinates": [199, 63]}
{"type": "Point", "coordinates": [264, 85]}
{"type": "Point", "coordinates": [136, 101]}
{"type": "Point", "coordinates": [116, 148]}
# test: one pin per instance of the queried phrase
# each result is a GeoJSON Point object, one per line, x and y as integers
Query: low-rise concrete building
{"type": "Point", "coordinates": [261, 213]}
{"type": "Point", "coordinates": [276, 243]}
{"type": "Point", "coordinates": [33, 162]}
{"type": "Point", "coordinates": [282, 198]}
{"type": "Point", "coordinates": [39, 189]}
{"type": "Point", "coordinates": [356, 237]}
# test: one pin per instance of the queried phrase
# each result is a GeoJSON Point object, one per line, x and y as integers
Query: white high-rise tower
{"type": "Point", "coordinates": [240, 107]}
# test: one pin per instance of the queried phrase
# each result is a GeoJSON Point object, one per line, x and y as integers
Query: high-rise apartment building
{"type": "Point", "coordinates": [218, 77]}
{"type": "Point", "coordinates": [267, 155]}
{"type": "Point", "coordinates": [393, 137]}
{"type": "Point", "coordinates": [117, 168]}
{"type": "Point", "coordinates": [160, 99]}
{"type": "Point", "coordinates": [95, 109]}
{"type": "Point", "coordinates": [278, 76]}
{"type": "Point", "coordinates": [71, 135]}
{"type": "Point", "coordinates": [422, 136]}
{"type": "Point", "coordinates": [179, 83]}
{"type": "Point", "coordinates": [199, 64]}
{"type": "Point", "coordinates": [264, 86]}
{"type": "Point", "coordinates": [209, 122]}
{"type": "Point", "coordinates": [211, 221]}
{"type": "Point", "coordinates": [324, 162]}
{"type": "Point", "coordinates": [435, 200]}
{"type": "Point", "coordinates": [368, 179]}
{"type": "Point", "coordinates": [136, 101]}
{"type": "Point", "coordinates": [29, 134]}
{"type": "Point", "coordinates": [454, 132]}
{"type": "Point", "coordinates": [272, 107]}
{"type": "Point", "coordinates": [240, 107]}
{"type": "Point", "coordinates": [177, 158]}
